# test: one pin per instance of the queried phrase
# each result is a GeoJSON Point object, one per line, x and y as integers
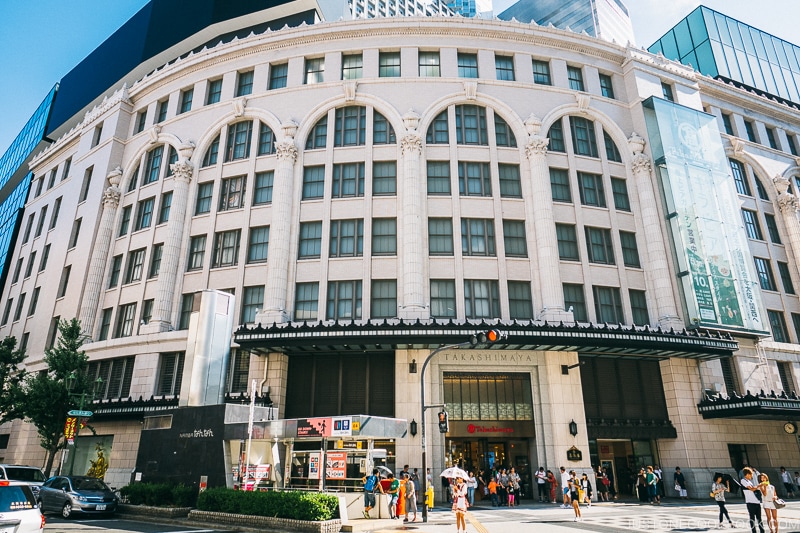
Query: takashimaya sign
{"type": "Point", "coordinates": [716, 269]}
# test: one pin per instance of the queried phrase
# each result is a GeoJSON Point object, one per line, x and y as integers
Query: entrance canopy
{"type": "Point", "coordinates": [603, 340]}
{"type": "Point", "coordinates": [336, 427]}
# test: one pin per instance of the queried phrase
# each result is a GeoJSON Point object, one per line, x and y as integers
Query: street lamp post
{"type": "Point", "coordinates": [82, 398]}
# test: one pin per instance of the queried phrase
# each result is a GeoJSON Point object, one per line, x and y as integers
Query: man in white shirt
{"type": "Point", "coordinates": [541, 483]}
{"type": "Point", "coordinates": [787, 482]}
{"type": "Point", "coordinates": [565, 488]}
{"type": "Point", "coordinates": [753, 502]}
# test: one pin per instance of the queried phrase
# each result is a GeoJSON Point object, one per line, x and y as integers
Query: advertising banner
{"type": "Point", "coordinates": [313, 465]}
{"type": "Point", "coordinates": [342, 427]}
{"type": "Point", "coordinates": [314, 427]}
{"type": "Point", "coordinates": [336, 465]}
{"type": "Point", "coordinates": [715, 267]}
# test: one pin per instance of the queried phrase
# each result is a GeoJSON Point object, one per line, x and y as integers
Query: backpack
{"type": "Point", "coordinates": [369, 486]}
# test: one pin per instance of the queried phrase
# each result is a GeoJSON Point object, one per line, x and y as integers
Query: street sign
{"type": "Point", "coordinates": [83, 414]}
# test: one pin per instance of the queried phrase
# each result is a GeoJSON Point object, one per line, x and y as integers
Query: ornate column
{"type": "Point", "coordinates": [280, 232]}
{"type": "Point", "coordinates": [788, 206]}
{"type": "Point", "coordinates": [413, 305]}
{"type": "Point", "coordinates": [657, 268]}
{"type": "Point", "coordinates": [540, 215]}
{"type": "Point", "coordinates": [182, 172]}
{"type": "Point", "coordinates": [99, 259]}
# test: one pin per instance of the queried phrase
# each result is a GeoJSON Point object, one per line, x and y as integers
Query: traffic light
{"type": "Point", "coordinates": [443, 422]}
{"type": "Point", "coordinates": [487, 337]}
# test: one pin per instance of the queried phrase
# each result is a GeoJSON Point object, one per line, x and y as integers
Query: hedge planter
{"type": "Point", "coordinates": [265, 523]}
{"type": "Point", "coordinates": [153, 512]}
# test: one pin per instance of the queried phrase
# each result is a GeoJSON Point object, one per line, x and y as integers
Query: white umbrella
{"type": "Point", "coordinates": [383, 470]}
{"type": "Point", "coordinates": [454, 472]}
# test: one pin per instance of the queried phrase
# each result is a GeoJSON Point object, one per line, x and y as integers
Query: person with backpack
{"type": "Point", "coordinates": [370, 486]}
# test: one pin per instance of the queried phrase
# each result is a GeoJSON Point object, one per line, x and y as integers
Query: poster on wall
{"type": "Point", "coordinates": [336, 465]}
{"type": "Point", "coordinates": [313, 465]}
{"type": "Point", "coordinates": [715, 267]}
{"type": "Point", "coordinates": [314, 427]}
{"type": "Point", "coordinates": [342, 427]}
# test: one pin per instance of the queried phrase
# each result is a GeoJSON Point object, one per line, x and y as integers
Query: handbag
{"type": "Point", "coordinates": [713, 495]}
{"type": "Point", "coordinates": [779, 503]}
{"type": "Point", "coordinates": [678, 487]}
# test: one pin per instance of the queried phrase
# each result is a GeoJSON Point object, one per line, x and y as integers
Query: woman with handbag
{"type": "Point", "coordinates": [768, 497]}
{"type": "Point", "coordinates": [602, 485]}
{"type": "Point", "coordinates": [718, 490]}
{"type": "Point", "coordinates": [460, 504]}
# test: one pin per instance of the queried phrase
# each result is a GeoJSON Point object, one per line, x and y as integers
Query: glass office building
{"type": "Point", "coordinates": [722, 47]}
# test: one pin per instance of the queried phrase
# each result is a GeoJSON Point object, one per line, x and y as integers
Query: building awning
{"type": "Point", "coordinates": [759, 406]}
{"type": "Point", "coordinates": [391, 334]}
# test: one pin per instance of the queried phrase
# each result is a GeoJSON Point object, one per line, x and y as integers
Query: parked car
{"type": "Point", "coordinates": [77, 494]}
{"type": "Point", "coordinates": [28, 475]}
{"type": "Point", "coordinates": [18, 509]}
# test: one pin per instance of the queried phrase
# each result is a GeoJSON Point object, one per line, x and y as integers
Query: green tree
{"type": "Point", "coordinates": [47, 396]}
{"type": "Point", "coordinates": [11, 379]}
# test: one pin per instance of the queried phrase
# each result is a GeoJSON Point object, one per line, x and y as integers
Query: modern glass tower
{"type": "Point", "coordinates": [606, 19]}
{"type": "Point", "coordinates": [722, 47]}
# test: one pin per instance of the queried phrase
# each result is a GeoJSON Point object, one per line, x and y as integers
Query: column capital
{"type": "Point", "coordinates": [787, 203]}
{"type": "Point", "coordinates": [111, 197]}
{"type": "Point", "coordinates": [182, 170]}
{"type": "Point", "coordinates": [286, 151]}
{"type": "Point", "coordinates": [537, 146]}
{"type": "Point", "coordinates": [641, 163]}
{"type": "Point", "coordinates": [411, 143]}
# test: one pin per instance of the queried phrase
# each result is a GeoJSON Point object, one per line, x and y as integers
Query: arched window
{"type": "Point", "coordinates": [317, 136]}
{"type": "Point", "coordinates": [762, 192]}
{"type": "Point", "coordinates": [266, 140]}
{"type": "Point", "coordinates": [584, 141]}
{"type": "Point", "coordinates": [471, 125]}
{"type": "Point", "coordinates": [503, 134]}
{"type": "Point", "coordinates": [238, 144]}
{"type": "Point", "coordinates": [134, 179]}
{"type": "Point", "coordinates": [556, 136]}
{"type": "Point", "coordinates": [612, 153]}
{"type": "Point", "coordinates": [152, 167]}
{"type": "Point", "coordinates": [437, 131]}
{"type": "Point", "coordinates": [210, 157]}
{"type": "Point", "coordinates": [350, 127]}
{"type": "Point", "coordinates": [382, 131]}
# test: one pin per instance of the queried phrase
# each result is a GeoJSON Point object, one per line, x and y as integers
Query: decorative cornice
{"type": "Point", "coordinates": [411, 143]}
{"type": "Point", "coordinates": [238, 106]}
{"type": "Point", "coordinates": [536, 147]}
{"type": "Point", "coordinates": [350, 87]}
{"type": "Point", "coordinates": [153, 133]}
{"type": "Point", "coordinates": [583, 99]}
{"type": "Point", "coordinates": [108, 102]}
{"type": "Point", "coordinates": [787, 202]}
{"type": "Point", "coordinates": [471, 89]}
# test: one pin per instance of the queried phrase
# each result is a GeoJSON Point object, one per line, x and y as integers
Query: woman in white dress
{"type": "Point", "coordinates": [768, 497]}
{"type": "Point", "coordinates": [460, 504]}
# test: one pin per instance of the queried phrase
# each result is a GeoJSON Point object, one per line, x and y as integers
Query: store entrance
{"type": "Point", "coordinates": [488, 454]}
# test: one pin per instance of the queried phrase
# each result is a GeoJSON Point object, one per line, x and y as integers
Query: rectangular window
{"type": "Point", "coordinates": [510, 185]}
{"type": "Point", "coordinates": [591, 190]}
{"type": "Point", "coordinates": [567, 242]}
{"type": "Point", "coordinates": [765, 277]}
{"type": "Point", "coordinates": [278, 74]}
{"type": "Point", "coordinates": [163, 211]}
{"type": "Point", "coordinates": [56, 210]}
{"type": "Point", "coordinates": [126, 318]}
{"type": "Point", "coordinates": [226, 248]}
{"type": "Point", "coordinates": [520, 302]}
{"type": "Point", "coordinates": [39, 185]}
{"type": "Point", "coordinates": [18, 269]}
{"type": "Point", "coordinates": [51, 181]}
{"type": "Point", "coordinates": [186, 101]}
{"type": "Point", "coordinates": [161, 113]}
{"type": "Point", "coordinates": [443, 298]}
{"type": "Point", "coordinates": [31, 262]}
{"type": "Point", "coordinates": [310, 240]}
{"type": "Point", "coordinates": [471, 125]}
{"type": "Point", "coordinates": [541, 72]}
{"type": "Point", "coordinates": [98, 133]}
{"type": "Point", "coordinates": [630, 252]}
{"type": "Point", "coordinates": [153, 165]}
{"type": "Point", "coordinates": [205, 191]}
{"type": "Point", "coordinates": [64, 282]}
{"type": "Point", "coordinates": [751, 225]}
{"type": "Point", "coordinates": [786, 277]}
{"type": "Point", "coordinates": [440, 236]}
{"type": "Point", "coordinates": [258, 244]}
{"type": "Point", "coordinates": [666, 92]}
{"type": "Point", "coordinates": [348, 180]}
{"type": "Point", "coordinates": [383, 301]}
{"type": "Point", "coordinates": [785, 374]}
{"type": "Point", "coordinates": [116, 376]}
{"type": "Point", "coordinates": [144, 214]}
{"type": "Point", "coordinates": [750, 128]}
{"type": "Point", "coordinates": [606, 86]}
{"type": "Point", "coordinates": [170, 374]}
{"type": "Point", "coordinates": [147, 311]}
{"type": "Point", "coordinates": [639, 313]}
{"type": "Point", "coordinates": [134, 267]}
{"type": "Point", "coordinates": [244, 83]}
{"type": "Point", "coordinates": [40, 225]}
{"type": "Point", "coordinates": [474, 179]}
{"type": "Point", "coordinates": [262, 190]}
{"type": "Point", "coordinates": [87, 180]}
{"type": "Point", "coordinates": [791, 142]}
{"type": "Point", "coordinates": [155, 260]}
{"type": "Point", "coordinates": [313, 182]}
{"type": "Point", "coordinates": [344, 300]}
{"type": "Point", "coordinates": [76, 231]}
{"type": "Point", "coordinates": [105, 324]}
{"type": "Point", "coordinates": [238, 143]}
{"type": "Point", "coordinates": [559, 185]}
{"type": "Point", "coordinates": [315, 71]}
{"type": "Point", "coordinates": [608, 305]}
{"type": "Point", "coordinates": [197, 251]}
{"type": "Point", "coordinates": [620, 191]}
{"type": "Point", "coordinates": [252, 301]}
{"type": "Point", "coordinates": [52, 333]}
{"type": "Point", "coordinates": [141, 120]}
{"type": "Point", "coordinates": [347, 238]}
{"type": "Point", "coordinates": [20, 307]}
{"type": "Point", "coordinates": [306, 301]}
{"type": "Point", "coordinates": [34, 301]}
{"type": "Point", "coordinates": [488, 396]}
{"type": "Point", "coordinates": [599, 246]}
{"type": "Point", "coordinates": [214, 91]}
{"type": "Point", "coordinates": [7, 311]}
{"type": "Point", "coordinates": [231, 193]}
{"type": "Point", "coordinates": [438, 178]}
{"type": "Point", "coordinates": [771, 138]}
{"type": "Point", "coordinates": [429, 65]}
{"type": "Point", "coordinates": [384, 236]}
{"type": "Point", "coordinates": [796, 322]}
{"type": "Point", "coordinates": [504, 67]}
{"type": "Point", "coordinates": [352, 66]}
{"type": "Point", "coordinates": [116, 268]}
{"type": "Point", "coordinates": [350, 126]}
{"type": "Point", "coordinates": [778, 324]}
{"type": "Point", "coordinates": [187, 306]}
{"type": "Point", "coordinates": [239, 371]}
{"type": "Point", "coordinates": [481, 298]}
{"type": "Point", "coordinates": [467, 65]}
{"type": "Point", "coordinates": [477, 236]}
{"type": "Point", "coordinates": [66, 169]}
{"type": "Point", "coordinates": [28, 227]}
{"type": "Point", "coordinates": [727, 124]}
{"type": "Point", "coordinates": [584, 141]}
{"type": "Point", "coordinates": [43, 261]}
{"type": "Point", "coordinates": [514, 238]}
{"type": "Point", "coordinates": [389, 64]}
{"type": "Point", "coordinates": [575, 77]}
{"type": "Point", "coordinates": [384, 178]}
{"type": "Point", "coordinates": [740, 178]}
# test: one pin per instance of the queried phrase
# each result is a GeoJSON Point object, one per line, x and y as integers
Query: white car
{"type": "Point", "coordinates": [24, 475]}
{"type": "Point", "coordinates": [19, 512]}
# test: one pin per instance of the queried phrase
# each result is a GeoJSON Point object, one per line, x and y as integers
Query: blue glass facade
{"type": "Point", "coordinates": [465, 8]}
{"type": "Point", "coordinates": [719, 46]}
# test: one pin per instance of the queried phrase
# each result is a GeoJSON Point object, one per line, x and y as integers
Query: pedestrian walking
{"type": "Point", "coordinates": [786, 479]}
{"type": "Point", "coordinates": [574, 488]}
{"type": "Point", "coordinates": [411, 498]}
{"type": "Point", "coordinates": [680, 484]}
{"type": "Point", "coordinates": [718, 490]}
{"type": "Point", "coordinates": [586, 487]}
{"type": "Point", "coordinates": [541, 484]}
{"type": "Point", "coordinates": [768, 497]}
{"type": "Point", "coordinates": [565, 487]}
{"type": "Point", "coordinates": [602, 483]}
{"type": "Point", "coordinates": [472, 484]}
{"type": "Point", "coordinates": [752, 498]}
{"type": "Point", "coordinates": [460, 504]}
{"type": "Point", "coordinates": [652, 486]}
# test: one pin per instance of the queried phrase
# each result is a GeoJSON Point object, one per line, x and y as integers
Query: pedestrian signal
{"type": "Point", "coordinates": [443, 422]}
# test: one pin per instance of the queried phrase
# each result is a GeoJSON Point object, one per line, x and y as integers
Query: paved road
{"type": "Point", "coordinates": [117, 525]}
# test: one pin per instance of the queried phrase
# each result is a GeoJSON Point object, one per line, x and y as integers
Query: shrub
{"type": "Point", "coordinates": [159, 494]}
{"type": "Point", "coordinates": [295, 505]}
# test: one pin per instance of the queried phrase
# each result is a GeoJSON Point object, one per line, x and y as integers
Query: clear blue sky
{"type": "Point", "coordinates": [41, 40]}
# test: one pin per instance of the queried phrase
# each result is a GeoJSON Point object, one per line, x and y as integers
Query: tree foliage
{"type": "Point", "coordinates": [11, 378]}
{"type": "Point", "coordinates": [47, 396]}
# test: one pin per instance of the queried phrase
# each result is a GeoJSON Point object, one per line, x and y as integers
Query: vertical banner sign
{"type": "Point", "coordinates": [715, 267]}
{"type": "Point", "coordinates": [313, 465]}
{"type": "Point", "coordinates": [336, 465]}
{"type": "Point", "coordinates": [71, 429]}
